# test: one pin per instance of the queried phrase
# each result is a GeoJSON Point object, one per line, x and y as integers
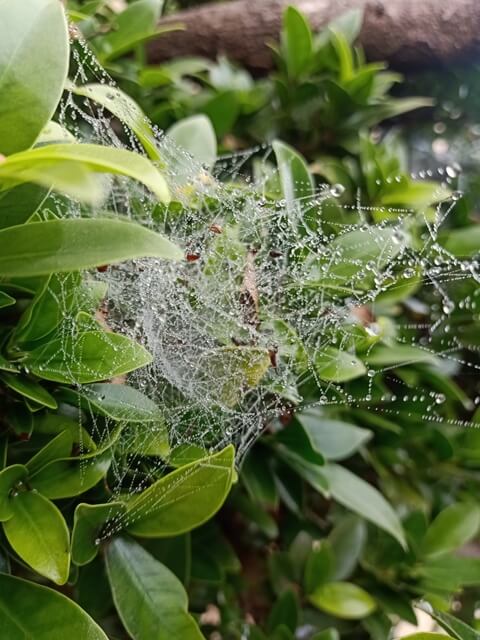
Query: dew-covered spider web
{"type": "Point", "coordinates": [281, 300]}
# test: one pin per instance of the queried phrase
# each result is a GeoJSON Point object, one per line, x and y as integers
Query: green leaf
{"type": "Point", "coordinates": [184, 499]}
{"type": "Point", "coordinates": [296, 180]}
{"type": "Point", "coordinates": [414, 194]}
{"type": "Point", "coordinates": [125, 109]}
{"type": "Point", "coordinates": [88, 357]}
{"type": "Point", "coordinates": [37, 612]}
{"type": "Point", "coordinates": [359, 496]}
{"type": "Point", "coordinates": [89, 521]}
{"type": "Point", "coordinates": [58, 447]}
{"type": "Point", "coordinates": [147, 595]}
{"type": "Point", "coordinates": [116, 401]}
{"type": "Point", "coordinates": [335, 439]}
{"type": "Point", "coordinates": [257, 477]}
{"type": "Point", "coordinates": [34, 56]}
{"type": "Point", "coordinates": [60, 295]}
{"type": "Point", "coordinates": [398, 354]}
{"type": "Point", "coordinates": [68, 477]}
{"type": "Point", "coordinates": [452, 528]}
{"type": "Point", "coordinates": [344, 55]}
{"type": "Point", "coordinates": [38, 533]}
{"type": "Point", "coordinates": [455, 627]}
{"type": "Point", "coordinates": [343, 600]}
{"type": "Point", "coordinates": [426, 635]}
{"type": "Point", "coordinates": [450, 572]}
{"type": "Point", "coordinates": [350, 252]}
{"type": "Point", "coordinates": [296, 42]}
{"type": "Point", "coordinates": [133, 25]}
{"type": "Point", "coordinates": [462, 243]}
{"type": "Point", "coordinates": [54, 133]}
{"type": "Point", "coordinates": [29, 389]}
{"type": "Point", "coordinates": [68, 168]}
{"type": "Point", "coordinates": [197, 136]}
{"type": "Point", "coordinates": [6, 300]}
{"type": "Point", "coordinates": [285, 612]}
{"type": "Point", "coordinates": [146, 439]}
{"type": "Point", "coordinates": [347, 540]}
{"type": "Point", "coordinates": [334, 365]}
{"type": "Point", "coordinates": [19, 204]}
{"type": "Point", "coordinates": [41, 248]}
{"type": "Point", "coordinates": [349, 24]}
{"type": "Point", "coordinates": [319, 567]}
{"type": "Point", "coordinates": [10, 477]}
{"type": "Point", "coordinates": [52, 424]}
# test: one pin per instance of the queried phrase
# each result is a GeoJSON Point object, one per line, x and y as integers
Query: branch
{"type": "Point", "coordinates": [406, 33]}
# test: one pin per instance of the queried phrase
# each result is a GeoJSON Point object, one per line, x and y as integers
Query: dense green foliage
{"type": "Point", "coordinates": [340, 518]}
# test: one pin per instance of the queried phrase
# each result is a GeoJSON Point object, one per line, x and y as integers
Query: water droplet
{"type": "Point", "coordinates": [448, 306]}
{"type": "Point", "coordinates": [450, 171]}
{"type": "Point", "coordinates": [337, 190]}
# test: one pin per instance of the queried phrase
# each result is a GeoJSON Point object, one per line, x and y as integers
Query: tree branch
{"type": "Point", "coordinates": [406, 33]}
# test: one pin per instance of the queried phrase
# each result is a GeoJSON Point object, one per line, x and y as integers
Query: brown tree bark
{"type": "Point", "coordinates": [406, 33]}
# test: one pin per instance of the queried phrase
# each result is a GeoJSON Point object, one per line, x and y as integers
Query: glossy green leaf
{"type": "Point", "coordinates": [10, 477]}
{"type": "Point", "coordinates": [38, 533]}
{"type": "Point", "coordinates": [197, 136]}
{"type": "Point", "coordinates": [333, 438]}
{"type": "Point", "coordinates": [54, 133]}
{"type": "Point", "coordinates": [147, 595]}
{"type": "Point", "coordinates": [334, 365]}
{"type": "Point", "coordinates": [71, 168]}
{"type": "Point", "coordinates": [58, 447]}
{"type": "Point", "coordinates": [29, 389]}
{"type": "Point", "coordinates": [89, 521]}
{"type": "Point", "coordinates": [462, 243]}
{"type": "Point", "coordinates": [59, 296]}
{"type": "Point", "coordinates": [360, 497]}
{"type": "Point", "coordinates": [132, 26]}
{"type": "Point", "coordinates": [296, 443]}
{"type": "Point", "coordinates": [125, 109]}
{"type": "Point", "coordinates": [343, 600]}
{"type": "Point", "coordinates": [67, 245]}
{"type": "Point", "coordinates": [398, 354]}
{"type": "Point", "coordinates": [146, 439]}
{"type": "Point", "coordinates": [33, 37]}
{"type": "Point", "coordinates": [39, 613]}
{"type": "Point", "coordinates": [414, 194]}
{"type": "Point", "coordinates": [52, 424]}
{"type": "Point", "coordinates": [68, 477]}
{"type": "Point", "coordinates": [347, 540]}
{"type": "Point", "coordinates": [117, 401]}
{"type": "Point", "coordinates": [426, 635]}
{"type": "Point", "coordinates": [285, 612]}
{"type": "Point", "coordinates": [453, 527]}
{"type": "Point", "coordinates": [319, 566]}
{"type": "Point", "coordinates": [89, 357]}
{"type": "Point", "coordinates": [454, 627]}
{"type": "Point", "coordinates": [296, 41]}
{"type": "Point", "coordinates": [6, 300]}
{"type": "Point", "coordinates": [257, 477]}
{"type": "Point", "coordinates": [355, 249]}
{"type": "Point", "coordinates": [183, 499]}
{"type": "Point", "coordinates": [19, 204]}
{"type": "Point", "coordinates": [296, 180]}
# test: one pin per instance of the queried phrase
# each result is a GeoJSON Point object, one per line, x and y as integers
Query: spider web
{"type": "Point", "coordinates": [257, 281]}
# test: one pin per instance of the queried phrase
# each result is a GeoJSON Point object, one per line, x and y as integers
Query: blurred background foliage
{"type": "Point", "coordinates": [282, 560]}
